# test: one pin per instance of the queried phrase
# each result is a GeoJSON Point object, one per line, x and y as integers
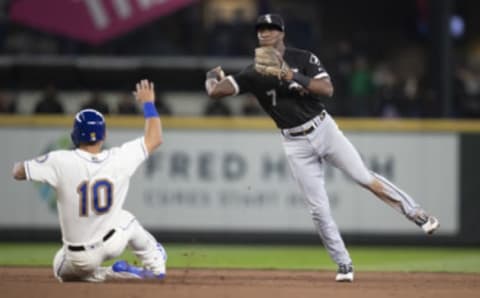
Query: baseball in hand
{"type": "Point", "coordinates": [221, 74]}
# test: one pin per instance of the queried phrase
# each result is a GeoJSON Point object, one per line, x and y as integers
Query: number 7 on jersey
{"type": "Point", "coordinates": [273, 94]}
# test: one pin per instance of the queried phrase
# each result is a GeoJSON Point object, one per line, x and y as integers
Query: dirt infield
{"type": "Point", "coordinates": [39, 282]}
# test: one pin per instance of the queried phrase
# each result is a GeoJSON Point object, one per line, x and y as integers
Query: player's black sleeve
{"type": "Point", "coordinates": [244, 80]}
{"type": "Point", "coordinates": [314, 67]}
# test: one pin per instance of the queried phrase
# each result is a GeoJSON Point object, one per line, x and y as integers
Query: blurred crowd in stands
{"type": "Point", "coordinates": [50, 102]}
{"type": "Point", "coordinates": [393, 84]}
{"type": "Point", "coordinates": [400, 86]}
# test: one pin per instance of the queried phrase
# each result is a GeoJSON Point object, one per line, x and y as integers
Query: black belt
{"type": "Point", "coordinates": [82, 247]}
{"type": "Point", "coordinates": [308, 130]}
{"type": "Point", "coordinates": [304, 132]}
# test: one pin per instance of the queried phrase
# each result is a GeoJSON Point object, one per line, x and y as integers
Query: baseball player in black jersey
{"type": "Point", "coordinates": [290, 84]}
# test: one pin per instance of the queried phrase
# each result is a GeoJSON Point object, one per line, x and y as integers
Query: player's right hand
{"type": "Point", "coordinates": [145, 91]}
{"type": "Point", "coordinates": [216, 73]}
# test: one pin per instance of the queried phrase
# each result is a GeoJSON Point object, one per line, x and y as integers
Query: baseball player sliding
{"type": "Point", "coordinates": [289, 84]}
{"type": "Point", "coordinates": [91, 185]}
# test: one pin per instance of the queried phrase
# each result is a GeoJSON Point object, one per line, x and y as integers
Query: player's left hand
{"type": "Point", "coordinates": [145, 91]}
{"type": "Point", "coordinates": [269, 62]}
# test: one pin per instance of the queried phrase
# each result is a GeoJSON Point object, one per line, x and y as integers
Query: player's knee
{"type": "Point", "coordinates": [58, 264]}
{"type": "Point", "coordinates": [375, 186]}
{"type": "Point", "coordinates": [84, 267]}
{"type": "Point", "coordinates": [320, 213]}
{"type": "Point", "coordinates": [364, 178]}
{"type": "Point", "coordinates": [85, 264]}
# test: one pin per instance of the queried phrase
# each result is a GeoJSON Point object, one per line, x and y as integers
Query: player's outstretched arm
{"type": "Point", "coordinates": [320, 86]}
{"type": "Point", "coordinates": [216, 84]}
{"type": "Point", "coordinates": [18, 171]}
{"type": "Point", "coordinates": [145, 94]}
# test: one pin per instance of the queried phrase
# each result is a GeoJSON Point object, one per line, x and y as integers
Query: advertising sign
{"type": "Point", "coordinates": [93, 21]}
{"type": "Point", "coordinates": [216, 180]}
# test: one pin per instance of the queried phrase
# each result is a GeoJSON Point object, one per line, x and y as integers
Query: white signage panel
{"type": "Point", "coordinates": [215, 180]}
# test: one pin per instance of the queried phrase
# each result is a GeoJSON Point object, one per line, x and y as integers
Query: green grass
{"type": "Point", "coordinates": [277, 257]}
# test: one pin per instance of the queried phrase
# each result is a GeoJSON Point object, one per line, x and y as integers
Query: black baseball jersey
{"type": "Point", "coordinates": [286, 102]}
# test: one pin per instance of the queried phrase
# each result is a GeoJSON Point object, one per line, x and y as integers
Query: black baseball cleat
{"type": "Point", "coordinates": [428, 223]}
{"type": "Point", "coordinates": [344, 273]}
{"type": "Point", "coordinates": [431, 225]}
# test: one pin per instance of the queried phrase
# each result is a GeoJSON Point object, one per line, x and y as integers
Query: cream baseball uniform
{"type": "Point", "coordinates": [91, 190]}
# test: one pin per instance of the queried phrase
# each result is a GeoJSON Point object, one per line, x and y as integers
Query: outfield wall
{"type": "Point", "coordinates": [217, 178]}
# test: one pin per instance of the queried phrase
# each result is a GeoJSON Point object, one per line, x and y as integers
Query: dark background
{"type": "Point", "coordinates": [386, 58]}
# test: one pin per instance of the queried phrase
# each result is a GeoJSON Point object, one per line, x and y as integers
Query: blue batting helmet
{"type": "Point", "coordinates": [88, 127]}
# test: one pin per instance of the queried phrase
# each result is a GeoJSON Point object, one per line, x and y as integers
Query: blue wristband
{"type": "Point", "coordinates": [149, 110]}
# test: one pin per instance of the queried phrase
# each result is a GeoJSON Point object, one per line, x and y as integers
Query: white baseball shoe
{"type": "Point", "coordinates": [344, 273]}
{"type": "Point", "coordinates": [431, 225]}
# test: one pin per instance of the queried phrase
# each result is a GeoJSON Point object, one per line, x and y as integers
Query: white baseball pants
{"type": "Point", "coordinates": [307, 155]}
{"type": "Point", "coordinates": [85, 265]}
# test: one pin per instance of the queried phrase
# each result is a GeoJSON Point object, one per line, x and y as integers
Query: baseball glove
{"type": "Point", "coordinates": [269, 62]}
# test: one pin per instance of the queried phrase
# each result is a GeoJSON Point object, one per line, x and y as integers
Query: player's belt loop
{"type": "Point", "coordinates": [84, 247]}
{"type": "Point", "coordinates": [319, 118]}
{"type": "Point", "coordinates": [108, 235]}
{"type": "Point", "coordinates": [322, 115]}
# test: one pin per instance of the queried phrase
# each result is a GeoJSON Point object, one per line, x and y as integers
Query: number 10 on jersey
{"type": "Point", "coordinates": [97, 194]}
